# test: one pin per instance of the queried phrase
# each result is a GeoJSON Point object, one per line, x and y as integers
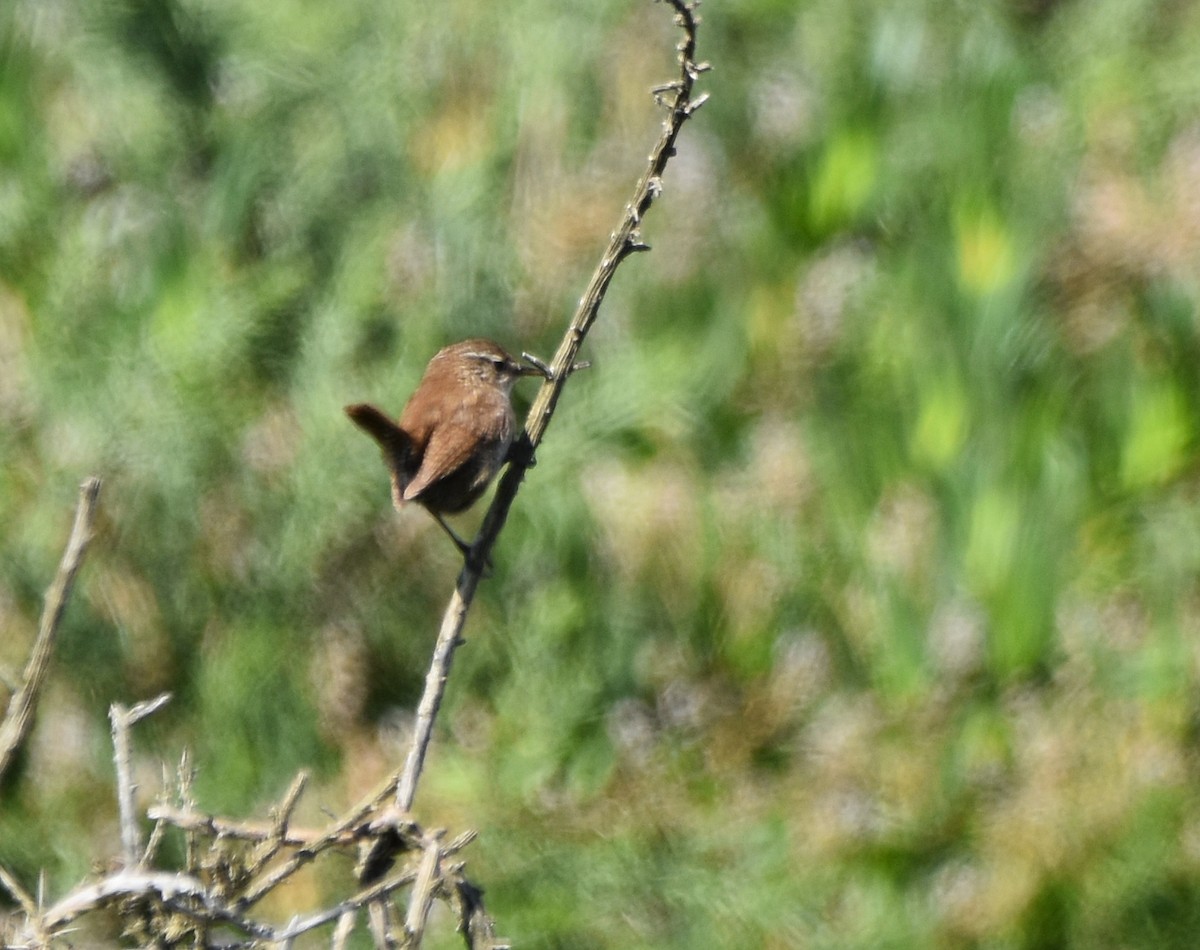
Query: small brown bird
{"type": "Point", "coordinates": [455, 432]}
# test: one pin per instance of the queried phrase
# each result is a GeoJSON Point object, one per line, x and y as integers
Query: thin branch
{"type": "Point", "coordinates": [343, 930]}
{"type": "Point", "coordinates": [18, 893]}
{"type": "Point", "coordinates": [21, 706]}
{"type": "Point", "coordinates": [188, 896]}
{"type": "Point", "coordinates": [448, 640]}
{"type": "Point", "coordinates": [348, 823]}
{"type": "Point", "coordinates": [170, 888]}
{"type": "Point", "coordinates": [187, 801]}
{"type": "Point", "coordinates": [277, 836]}
{"type": "Point", "coordinates": [192, 821]}
{"type": "Point", "coordinates": [625, 240]}
{"type": "Point", "coordinates": [123, 720]}
{"type": "Point", "coordinates": [421, 899]}
{"type": "Point", "coordinates": [253, 831]}
{"type": "Point", "coordinates": [359, 900]}
{"type": "Point", "coordinates": [478, 929]}
{"type": "Point", "coordinates": [152, 844]}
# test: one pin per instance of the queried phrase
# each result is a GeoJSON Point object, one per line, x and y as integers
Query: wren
{"type": "Point", "coordinates": [455, 432]}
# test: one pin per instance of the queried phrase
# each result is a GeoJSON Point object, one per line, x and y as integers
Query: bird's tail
{"type": "Point", "coordinates": [373, 422]}
{"type": "Point", "coordinates": [393, 440]}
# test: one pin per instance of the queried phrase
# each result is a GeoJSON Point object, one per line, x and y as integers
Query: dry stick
{"type": "Point", "coordinates": [192, 821]}
{"type": "Point", "coordinates": [328, 838]}
{"type": "Point", "coordinates": [187, 895]}
{"type": "Point", "coordinates": [623, 242]}
{"type": "Point", "coordinates": [345, 926]}
{"type": "Point", "coordinates": [34, 933]}
{"type": "Point", "coordinates": [279, 827]}
{"type": "Point", "coordinates": [366, 896]}
{"type": "Point", "coordinates": [473, 922]}
{"type": "Point", "coordinates": [422, 892]}
{"type": "Point", "coordinates": [19, 894]}
{"type": "Point", "coordinates": [183, 893]}
{"type": "Point", "coordinates": [152, 844]}
{"type": "Point", "coordinates": [123, 720]}
{"type": "Point", "coordinates": [257, 832]}
{"type": "Point", "coordinates": [20, 707]}
{"type": "Point", "coordinates": [187, 801]}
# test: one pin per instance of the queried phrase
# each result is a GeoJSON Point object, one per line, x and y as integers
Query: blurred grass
{"type": "Point", "coordinates": [853, 601]}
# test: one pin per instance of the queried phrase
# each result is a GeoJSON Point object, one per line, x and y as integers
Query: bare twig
{"type": "Point", "coordinates": [348, 823]}
{"type": "Point", "coordinates": [123, 720]}
{"type": "Point", "coordinates": [187, 801]}
{"type": "Point", "coordinates": [180, 892]}
{"type": "Point", "coordinates": [449, 637]}
{"type": "Point", "coordinates": [359, 900]}
{"type": "Point", "coordinates": [421, 899]}
{"type": "Point", "coordinates": [19, 894]}
{"type": "Point", "coordinates": [380, 917]}
{"type": "Point", "coordinates": [254, 831]}
{"type": "Point", "coordinates": [34, 934]}
{"type": "Point", "coordinates": [623, 242]}
{"type": "Point", "coordinates": [345, 927]}
{"type": "Point", "coordinates": [188, 896]}
{"type": "Point", "coordinates": [277, 835]}
{"type": "Point", "coordinates": [21, 706]}
{"type": "Point", "coordinates": [477, 927]}
{"type": "Point", "coordinates": [152, 844]}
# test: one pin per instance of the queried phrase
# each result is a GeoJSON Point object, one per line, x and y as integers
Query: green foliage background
{"type": "Point", "coordinates": [853, 602]}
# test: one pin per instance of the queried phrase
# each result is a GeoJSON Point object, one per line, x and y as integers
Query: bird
{"type": "Point", "coordinates": [455, 432]}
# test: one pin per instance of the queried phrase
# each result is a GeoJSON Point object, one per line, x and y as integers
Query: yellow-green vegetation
{"type": "Point", "coordinates": [854, 600]}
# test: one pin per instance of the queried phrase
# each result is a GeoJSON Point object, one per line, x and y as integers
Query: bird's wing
{"type": "Point", "coordinates": [447, 450]}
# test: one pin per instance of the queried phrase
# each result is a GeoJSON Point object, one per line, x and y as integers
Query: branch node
{"type": "Point", "coordinates": [634, 244]}
{"type": "Point", "coordinates": [539, 364]}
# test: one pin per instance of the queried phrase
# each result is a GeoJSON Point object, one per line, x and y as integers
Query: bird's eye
{"type": "Point", "coordinates": [499, 363]}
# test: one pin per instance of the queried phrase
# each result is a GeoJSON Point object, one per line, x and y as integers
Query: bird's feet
{"type": "Point", "coordinates": [468, 551]}
{"type": "Point", "coordinates": [481, 566]}
{"type": "Point", "coordinates": [521, 452]}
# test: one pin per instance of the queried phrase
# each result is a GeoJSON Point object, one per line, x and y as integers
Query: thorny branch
{"type": "Point", "coordinates": [625, 240]}
{"type": "Point", "coordinates": [223, 882]}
